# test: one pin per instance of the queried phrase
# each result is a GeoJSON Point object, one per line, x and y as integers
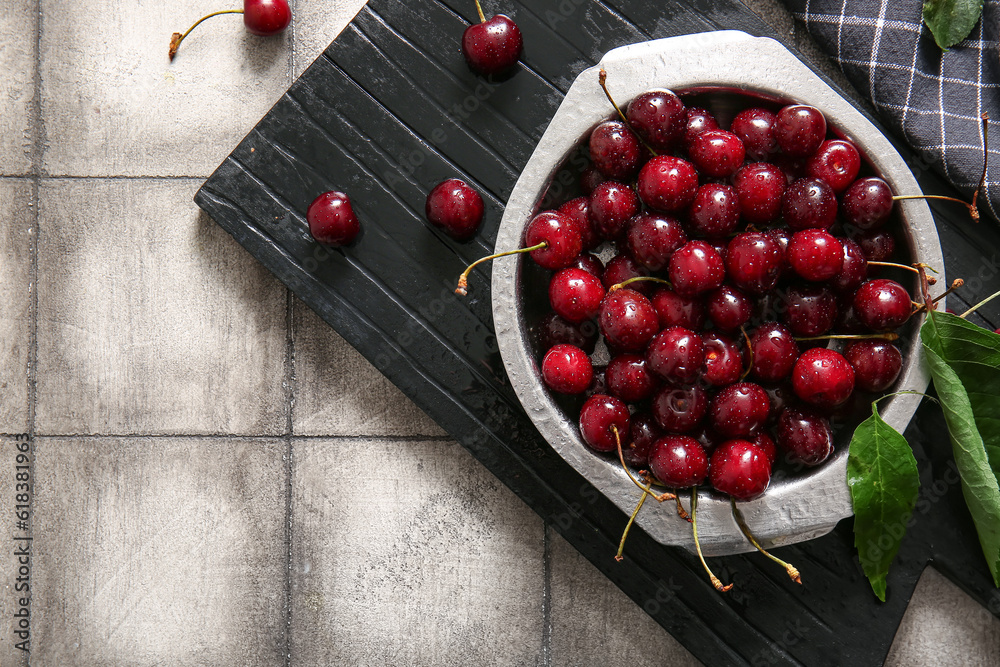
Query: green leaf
{"type": "Point", "coordinates": [883, 478]}
{"type": "Point", "coordinates": [951, 21]}
{"type": "Point", "coordinates": [964, 361]}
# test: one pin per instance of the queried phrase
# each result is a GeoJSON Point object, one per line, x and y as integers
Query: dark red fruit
{"type": "Point", "coordinates": [867, 203]}
{"type": "Point", "coordinates": [697, 120]}
{"type": "Point", "coordinates": [809, 203]}
{"type": "Point", "coordinates": [822, 377]}
{"type": "Point", "coordinates": [553, 330]}
{"type": "Point", "coordinates": [597, 417]}
{"type": "Point", "coordinates": [579, 210]}
{"type": "Point", "coordinates": [782, 237]}
{"type": "Point", "coordinates": [667, 183]}
{"type": "Point", "coordinates": [562, 236]}
{"type": "Point", "coordinates": [815, 254]}
{"type": "Point", "coordinates": [755, 127]}
{"type": "Point", "coordinates": [658, 116]}
{"type": "Point", "coordinates": [810, 309]}
{"type": "Point", "coordinates": [575, 295]}
{"type": "Point", "coordinates": [836, 162]}
{"type": "Point", "coordinates": [628, 320]}
{"type": "Point", "coordinates": [678, 461]}
{"type": "Point", "coordinates": [590, 179]}
{"type": "Point", "coordinates": [679, 409]}
{"type": "Point", "coordinates": [331, 219]}
{"type": "Point", "coordinates": [740, 469]}
{"type": "Point", "coordinates": [717, 153]}
{"type": "Point", "coordinates": [876, 245]}
{"type": "Point", "coordinates": [799, 130]}
{"type": "Point", "coordinates": [614, 150]}
{"type": "Point", "coordinates": [854, 271]}
{"type": "Point", "coordinates": [728, 308]}
{"type": "Point", "coordinates": [643, 434]}
{"type": "Point", "coordinates": [766, 444]}
{"type": "Point", "coordinates": [723, 362]}
{"type": "Point", "coordinates": [876, 363]}
{"type": "Point", "coordinates": [676, 310]}
{"type": "Point", "coordinates": [492, 47]}
{"type": "Point", "coordinates": [882, 304]}
{"type": "Point", "coordinates": [652, 239]}
{"type": "Point", "coordinates": [676, 354]}
{"type": "Point", "coordinates": [754, 261]}
{"type": "Point", "coordinates": [612, 206]}
{"type": "Point", "coordinates": [456, 208]}
{"type": "Point", "coordinates": [715, 211]}
{"type": "Point", "coordinates": [266, 17]}
{"type": "Point", "coordinates": [739, 410]}
{"type": "Point", "coordinates": [695, 268]}
{"type": "Point", "coordinates": [590, 263]}
{"type": "Point", "coordinates": [804, 436]}
{"type": "Point", "coordinates": [774, 352]}
{"type": "Point", "coordinates": [622, 268]}
{"type": "Point", "coordinates": [567, 370]}
{"type": "Point", "coordinates": [628, 377]}
{"type": "Point", "coordinates": [760, 187]}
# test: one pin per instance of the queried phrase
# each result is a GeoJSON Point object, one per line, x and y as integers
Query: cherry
{"type": "Point", "coordinates": [728, 308]}
{"type": "Point", "coordinates": [717, 153]}
{"type": "Point", "coordinates": [767, 445]}
{"type": "Point", "coordinates": [679, 409]}
{"type": "Point", "coordinates": [696, 267]}
{"type": "Point", "coordinates": [678, 461]}
{"type": "Point", "coordinates": [567, 370]}
{"type": "Point", "coordinates": [882, 304]}
{"type": "Point", "coordinates": [612, 205]}
{"type": "Point", "coordinates": [799, 129]}
{"type": "Point", "coordinates": [697, 120]}
{"type": "Point", "coordinates": [667, 183]}
{"type": "Point", "coordinates": [815, 254]}
{"type": "Point", "coordinates": [658, 116]}
{"type": "Point", "coordinates": [492, 47]}
{"type": "Point", "coordinates": [854, 271]}
{"type": "Point", "coordinates": [590, 179]}
{"type": "Point", "coordinates": [643, 434]}
{"type": "Point", "coordinates": [599, 384]}
{"type": "Point", "coordinates": [676, 354]}
{"type": "Point", "coordinates": [836, 162]}
{"type": "Point", "coordinates": [774, 352]}
{"type": "Point", "coordinates": [723, 362]}
{"type": "Point", "coordinates": [804, 436]}
{"type": "Point", "coordinates": [652, 239]}
{"type": "Point", "coordinates": [579, 210]}
{"type": "Point", "coordinates": [876, 245]}
{"type": "Point", "coordinates": [553, 330]}
{"type": "Point", "coordinates": [715, 211]}
{"type": "Point", "coordinates": [628, 377]}
{"type": "Point", "coordinates": [622, 268]}
{"type": "Point", "coordinates": [331, 219]}
{"type": "Point", "coordinates": [782, 237]}
{"type": "Point", "coordinates": [781, 397]}
{"type": "Point", "coordinates": [847, 321]}
{"type": "Point", "coordinates": [867, 203]}
{"type": "Point", "coordinates": [876, 363]}
{"type": "Point", "coordinates": [822, 377]}
{"type": "Point", "coordinates": [755, 127]}
{"type": "Point", "coordinates": [590, 263]}
{"type": "Point", "coordinates": [260, 17]}
{"type": "Point", "coordinates": [614, 150]}
{"type": "Point", "coordinates": [754, 262]}
{"type": "Point", "coordinates": [809, 203]}
{"type": "Point", "coordinates": [739, 410]}
{"type": "Point", "coordinates": [456, 208]}
{"type": "Point", "coordinates": [810, 310]}
{"type": "Point", "coordinates": [600, 417]}
{"type": "Point", "coordinates": [676, 310]}
{"type": "Point", "coordinates": [760, 187]}
{"type": "Point", "coordinates": [628, 320]}
{"type": "Point", "coordinates": [740, 468]}
{"type": "Point", "coordinates": [575, 295]}
{"type": "Point", "coordinates": [561, 236]}
{"type": "Point", "coordinates": [792, 167]}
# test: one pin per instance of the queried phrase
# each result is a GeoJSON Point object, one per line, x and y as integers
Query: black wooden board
{"type": "Point", "coordinates": [390, 110]}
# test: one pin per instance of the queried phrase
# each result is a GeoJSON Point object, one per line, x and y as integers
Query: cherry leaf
{"type": "Point", "coordinates": [964, 361]}
{"type": "Point", "coordinates": [884, 481]}
{"type": "Point", "coordinates": [951, 21]}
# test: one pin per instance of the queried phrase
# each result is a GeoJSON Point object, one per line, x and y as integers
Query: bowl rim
{"type": "Point", "coordinates": [795, 509]}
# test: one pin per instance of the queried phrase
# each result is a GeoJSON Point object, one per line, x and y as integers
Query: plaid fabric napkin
{"type": "Point", "coordinates": [931, 99]}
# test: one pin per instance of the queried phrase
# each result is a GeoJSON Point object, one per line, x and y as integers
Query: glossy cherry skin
{"type": "Point", "coordinates": [767, 445]}
{"type": "Point", "coordinates": [597, 417]}
{"type": "Point", "coordinates": [799, 129]}
{"type": "Point", "coordinates": [760, 187]}
{"type": "Point", "coordinates": [811, 310]}
{"type": "Point", "coordinates": [493, 47]}
{"type": "Point", "coordinates": [614, 150]}
{"type": "Point", "coordinates": [679, 461]}
{"type": "Point", "coordinates": [612, 205]}
{"type": "Point", "coordinates": [876, 245]}
{"type": "Point", "coordinates": [331, 219]}
{"type": "Point", "coordinates": [728, 308]}
{"type": "Point", "coordinates": [755, 127]}
{"type": "Point", "coordinates": [622, 268]}
{"type": "Point", "coordinates": [867, 203]}
{"type": "Point", "coordinates": [667, 183]}
{"type": "Point", "coordinates": [628, 320]}
{"type": "Point", "coordinates": [876, 363]}
{"type": "Point", "coordinates": [854, 271]}
{"type": "Point", "coordinates": [579, 210]}
{"type": "Point", "coordinates": [679, 409]}
{"type": "Point", "coordinates": [676, 354]}
{"type": "Point", "coordinates": [723, 362]}
{"type": "Point", "coordinates": [836, 162]}
{"type": "Point", "coordinates": [561, 233]}
{"type": "Point", "coordinates": [815, 254]}
{"type": "Point", "coordinates": [774, 352]}
{"type": "Point", "coordinates": [566, 369]}
{"type": "Point", "coordinates": [456, 208]}
{"type": "Point", "coordinates": [739, 410]}
{"type": "Point", "coordinates": [740, 469]}
{"type": "Point", "coordinates": [590, 263]}
{"type": "Point", "coordinates": [590, 179]}
{"type": "Point", "coordinates": [804, 436]}
{"type": "Point", "coordinates": [553, 330]}
{"type": "Point", "coordinates": [643, 434]}
{"type": "Point", "coordinates": [695, 268]}
{"type": "Point", "coordinates": [266, 17]}
{"type": "Point", "coordinates": [809, 203]}
{"type": "Point", "coordinates": [628, 377]}
{"type": "Point", "coordinates": [575, 295]}
{"type": "Point", "coordinates": [882, 304]}
{"type": "Point", "coordinates": [782, 237]}
{"type": "Point", "coordinates": [715, 211]}
{"type": "Point", "coordinates": [822, 377]}
{"type": "Point", "coordinates": [676, 310]}
{"type": "Point", "coordinates": [717, 153]}
{"type": "Point", "coordinates": [697, 120]}
{"type": "Point", "coordinates": [754, 262]}
{"type": "Point", "coordinates": [653, 238]}
{"type": "Point", "coordinates": [659, 117]}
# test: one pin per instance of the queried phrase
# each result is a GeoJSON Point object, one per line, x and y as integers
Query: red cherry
{"type": "Point", "coordinates": [575, 295]}
{"type": "Point", "coordinates": [676, 355]}
{"type": "Point", "coordinates": [615, 151]}
{"type": "Point", "coordinates": [815, 254]}
{"type": "Point", "coordinates": [876, 363]}
{"type": "Point", "coordinates": [567, 370]}
{"type": "Point", "coordinates": [456, 208]}
{"type": "Point", "coordinates": [739, 410]}
{"type": "Point", "coordinates": [723, 362]}
{"type": "Point", "coordinates": [867, 203]}
{"type": "Point", "coordinates": [553, 330]}
{"type": "Point", "coordinates": [837, 162]}
{"type": "Point", "coordinates": [562, 236]}
{"type": "Point", "coordinates": [667, 183]}
{"type": "Point", "coordinates": [695, 268]}
{"type": "Point", "coordinates": [741, 469]}
{"type": "Point", "coordinates": [579, 210]}
{"type": "Point", "coordinates": [799, 129]}
{"type": "Point", "coordinates": [809, 203]}
{"type": "Point", "coordinates": [658, 116]}
{"type": "Point", "coordinates": [822, 377]}
{"type": "Point", "coordinates": [331, 219]}
{"type": "Point", "coordinates": [676, 310]}
{"type": "Point", "coordinates": [756, 128]}
{"type": "Point", "coordinates": [266, 17]}
{"type": "Point", "coordinates": [628, 377]}
{"type": "Point", "coordinates": [882, 304]}
{"type": "Point", "coordinates": [611, 206]}
{"type": "Point", "coordinates": [754, 262]}
{"type": "Point", "coordinates": [628, 320]}
{"type": "Point", "coordinates": [680, 409]}
{"type": "Point", "coordinates": [804, 436]}
{"type": "Point", "coordinates": [760, 187]}
{"type": "Point", "coordinates": [492, 47]}
{"type": "Point", "coordinates": [717, 153]}
{"type": "Point", "coordinates": [653, 238]}
{"type": "Point", "coordinates": [643, 432]}
{"type": "Point", "coordinates": [678, 461]}
{"type": "Point", "coordinates": [774, 352]}
{"type": "Point", "coordinates": [597, 417]}
{"type": "Point", "coordinates": [715, 211]}
{"type": "Point", "coordinates": [697, 120]}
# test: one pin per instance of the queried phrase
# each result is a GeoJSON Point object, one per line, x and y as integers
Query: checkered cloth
{"type": "Point", "coordinates": [932, 100]}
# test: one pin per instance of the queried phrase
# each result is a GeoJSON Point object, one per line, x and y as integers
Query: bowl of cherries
{"type": "Point", "coordinates": [704, 297]}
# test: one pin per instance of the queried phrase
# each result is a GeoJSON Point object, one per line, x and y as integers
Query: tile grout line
{"type": "Point", "coordinates": [289, 404]}
{"type": "Point", "coordinates": [546, 596]}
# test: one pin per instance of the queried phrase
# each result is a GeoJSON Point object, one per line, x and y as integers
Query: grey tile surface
{"type": "Point", "coordinates": [594, 623]}
{"type": "Point", "coordinates": [14, 581]}
{"type": "Point", "coordinates": [151, 318]}
{"type": "Point", "coordinates": [16, 222]}
{"type": "Point", "coordinates": [159, 552]}
{"type": "Point", "coordinates": [17, 87]}
{"type": "Point", "coordinates": [410, 553]}
{"type": "Point", "coordinates": [339, 393]}
{"type": "Point", "coordinates": [317, 23]}
{"type": "Point", "coordinates": [113, 104]}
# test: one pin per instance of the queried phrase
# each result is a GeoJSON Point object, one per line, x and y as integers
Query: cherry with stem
{"type": "Point", "coordinates": [793, 573]}
{"type": "Point", "coordinates": [463, 280]}
{"type": "Point", "coordinates": [602, 78]}
{"type": "Point", "coordinates": [261, 17]}
{"type": "Point", "coordinates": [645, 489]}
{"type": "Point", "coordinates": [697, 545]}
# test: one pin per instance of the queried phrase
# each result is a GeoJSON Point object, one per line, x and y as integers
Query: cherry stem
{"type": "Point", "coordinates": [955, 284]}
{"type": "Point", "coordinates": [746, 336]}
{"type": "Point", "coordinates": [681, 512]}
{"type": "Point", "coordinates": [463, 280]}
{"type": "Point", "coordinates": [177, 38]}
{"type": "Point", "coordinates": [979, 305]}
{"type": "Point", "coordinates": [602, 78]}
{"type": "Point", "coordinates": [621, 457]}
{"type": "Point", "coordinates": [652, 279]}
{"type": "Point", "coordinates": [631, 520]}
{"type": "Point", "coordinates": [479, 8]}
{"type": "Point", "coordinates": [900, 266]}
{"type": "Point", "coordinates": [697, 545]}
{"type": "Point", "coordinates": [793, 573]}
{"type": "Point", "coordinates": [973, 211]}
{"type": "Point", "coordinates": [889, 336]}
